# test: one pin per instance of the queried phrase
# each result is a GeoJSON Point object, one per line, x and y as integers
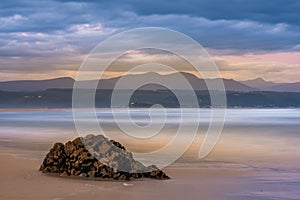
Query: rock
{"type": "Point", "coordinates": [101, 158]}
{"type": "Point", "coordinates": [117, 144]}
{"type": "Point", "coordinates": [69, 148]}
{"type": "Point", "coordinates": [63, 174]}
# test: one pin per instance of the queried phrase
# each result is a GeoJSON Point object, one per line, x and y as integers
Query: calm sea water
{"type": "Point", "coordinates": [278, 121]}
{"type": "Point", "coordinates": [263, 141]}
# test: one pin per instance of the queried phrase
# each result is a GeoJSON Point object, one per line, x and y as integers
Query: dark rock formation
{"type": "Point", "coordinates": [97, 157]}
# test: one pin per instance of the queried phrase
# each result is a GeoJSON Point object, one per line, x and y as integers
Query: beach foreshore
{"type": "Point", "coordinates": [20, 179]}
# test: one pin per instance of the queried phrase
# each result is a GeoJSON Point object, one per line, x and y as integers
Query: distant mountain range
{"type": "Point", "coordinates": [198, 84]}
{"type": "Point", "coordinates": [37, 85]}
{"type": "Point", "coordinates": [263, 85]}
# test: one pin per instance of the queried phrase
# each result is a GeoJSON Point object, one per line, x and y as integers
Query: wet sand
{"type": "Point", "coordinates": [20, 179]}
{"type": "Point", "coordinates": [208, 180]}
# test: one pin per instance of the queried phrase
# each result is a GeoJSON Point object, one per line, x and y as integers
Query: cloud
{"type": "Point", "coordinates": [276, 11]}
{"type": "Point", "coordinates": [278, 67]}
{"type": "Point", "coordinates": [215, 24]}
{"type": "Point", "coordinates": [49, 35]}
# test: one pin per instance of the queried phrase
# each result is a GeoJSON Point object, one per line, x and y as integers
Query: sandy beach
{"type": "Point", "coordinates": [20, 179]}
{"type": "Point", "coordinates": [254, 159]}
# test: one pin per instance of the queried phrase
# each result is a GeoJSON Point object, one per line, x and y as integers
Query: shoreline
{"type": "Point", "coordinates": [22, 180]}
{"type": "Point", "coordinates": [135, 108]}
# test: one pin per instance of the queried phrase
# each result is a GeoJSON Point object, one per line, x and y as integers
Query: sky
{"type": "Point", "coordinates": [247, 39]}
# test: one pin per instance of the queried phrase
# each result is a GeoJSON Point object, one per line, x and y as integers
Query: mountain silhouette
{"type": "Point", "coordinates": [152, 79]}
